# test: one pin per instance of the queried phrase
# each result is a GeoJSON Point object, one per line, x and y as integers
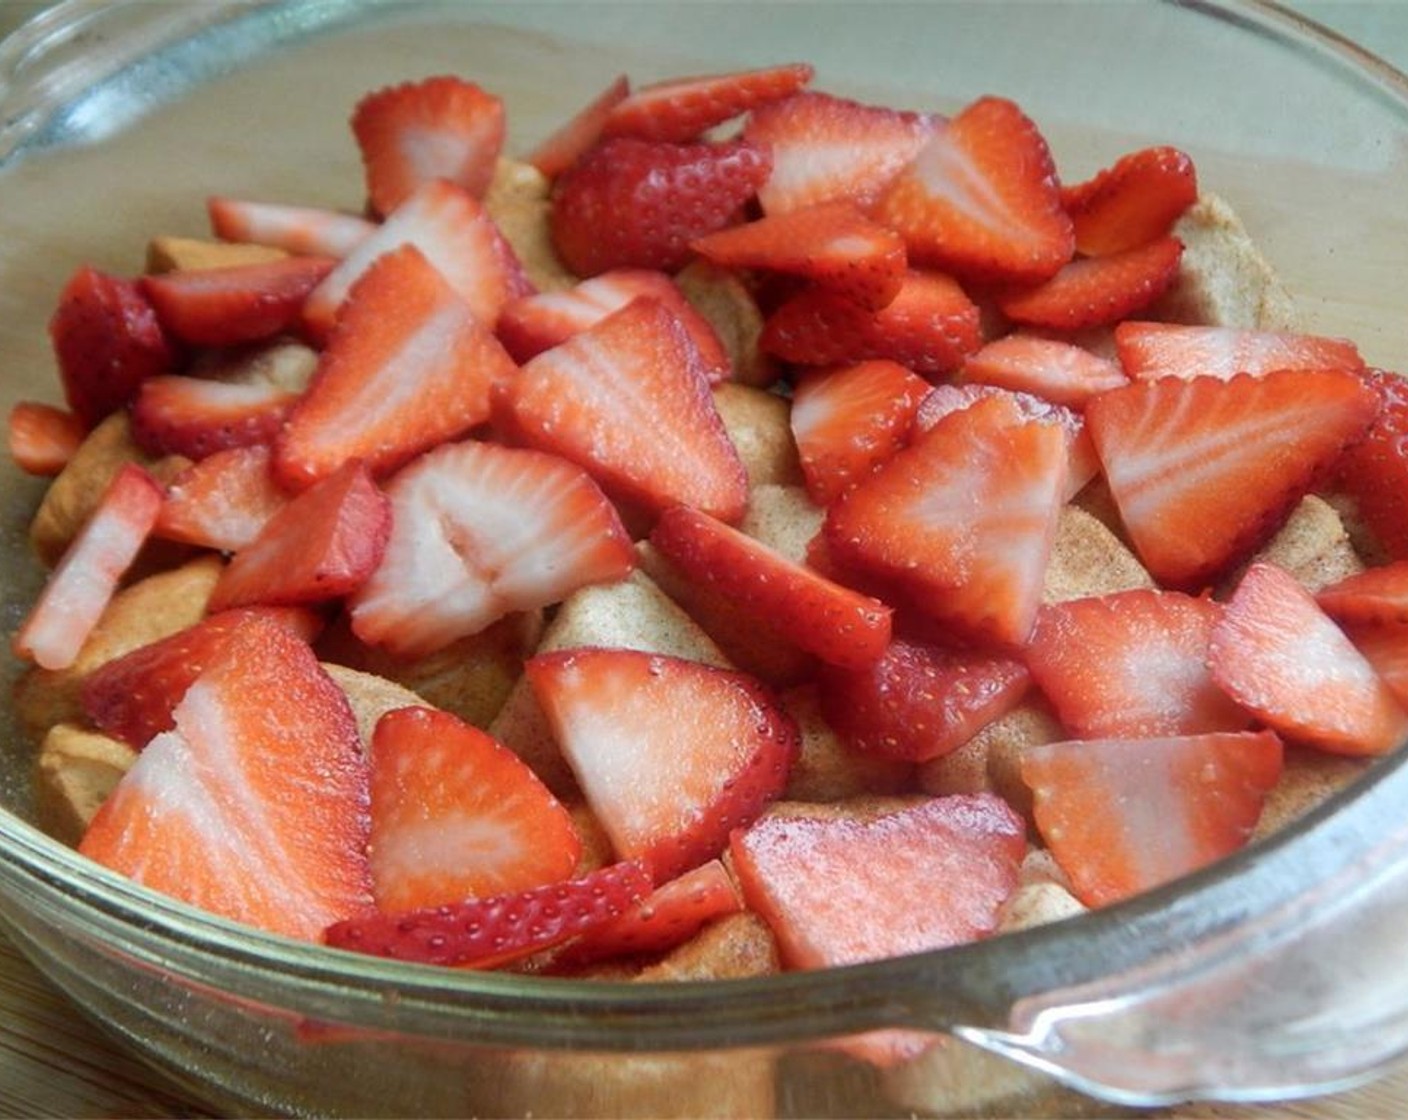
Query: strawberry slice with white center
{"type": "Point", "coordinates": [848, 420]}
{"type": "Point", "coordinates": [981, 199]}
{"type": "Point", "coordinates": [454, 232]}
{"type": "Point", "coordinates": [304, 230]}
{"type": "Point", "coordinates": [535, 323]}
{"type": "Point", "coordinates": [832, 244]}
{"type": "Point", "coordinates": [1056, 371]}
{"type": "Point", "coordinates": [1133, 664]}
{"type": "Point", "coordinates": [930, 326]}
{"type": "Point", "coordinates": [1133, 202]}
{"type": "Point", "coordinates": [1097, 291]}
{"type": "Point", "coordinates": [1123, 816]}
{"type": "Point", "coordinates": [234, 305]}
{"type": "Point", "coordinates": [479, 531]}
{"type": "Point", "coordinates": [79, 589]}
{"type": "Point", "coordinates": [173, 414]}
{"type": "Point", "coordinates": [254, 807]}
{"type": "Point", "coordinates": [41, 437]}
{"type": "Point", "coordinates": [827, 149]}
{"type": "Point", "coordinates": [963, 519]}
{"type": "Point", "coordinates": [628, 400]}
{"type": "Point", "coordinates": [671, 754]}
{"type": "Point", "coordinates": [1149, 350]}
{"type": "Point", "coordinates": [223, 501]}
{"type": "Point", "coordinates": [842, 627]}
{"type": "Point", "coordinates": [439, 128]}
{"type": "Point", "coordinates": [1280, 656]}
{"type": "Point", "coordinates": [1204, 469]}
{"type": "Point", "coordinates": [408, 366]}
{"type": "Point", "coordinates": [490, 932]}
{"type": "Point", "coordinates": [456, 815]}
{"type": "Point", "coordinates": [323, 544]}
{"type": "Point", "coordinates": [580, 132]}
{"type": "Point", "coordinates": [1376, 596]}
{"type": "Point", "coordinates": [682, 109]}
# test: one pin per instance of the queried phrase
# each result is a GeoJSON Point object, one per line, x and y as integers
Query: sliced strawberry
{"type": "Point", "coordinates": [42, 438]}
{"type": "Point", "coordinates": [455, 233]}
{"type": "Point", "coordinates": [1280, 656]}
{"type": "Point", "coordinates": [1385, 646]}
{"type": "Point", "coordinates": [324, 544]}
{"type": "Point", "coordinates": [535, 323]}
{"type": "Point", "coordinates": [79, 589]}
{"type": "Point", "coordinates": [631, 203]}
{"type": "Point", "coordinates": [173, 414]}
{"type": "Point", "coordinates": [254, 807]}
{"type": "Point", "coordinates": [963, 519]}
{"type": "Point", "coordinates": [133, 697]}
{"type": "Point", "coordinates": [489, 932]}
{"type": "Point", "coordinates": [407, 367]}
{"type": "Point", "coordinates": [1131, 665]}
{"type": "Point", "coordinates": [667, 917]}
{"type": "Point", "coordinates": [579, 133]}
{"type": "Point", "coordinates": [848, 420]}
{"type": "Point", "coordinates": [1148, 350]}
{"type": "Point", "coordinates": [1203, 470]}
{"type": "Point", "coordinates": [414, 133]}
{"type": "Point", "coordinates": [920, 701]}
{"type": "Point", "coordinates": [832, 244]}
{"type": "Point", "coordinates": [107, 340]}
{"type": "Point", "coordinates": [479, 531]}
{"type": "Point", "coordinates": [931, 326]}
{"type": "Point", "coordinates": [628, 401]}
{"type": "Point", "coordinates": [1123, 816]}
{"type": "Point", "coordinates": [223, 501]}
{"type": "Point", "coordinates": [1377, 596]}
{"type": "Point", "coordinates": [666, 789]}
{"type": "Point", "coordinates": [230, 306]}
{"type": "Point", "coordinates": [1133, 202]}
{"type": "Point", "coordinates": [683, 109]}
{"type": "Point", "coordinates": [305, 230]}
{"type": "Point", "coordinates": [981, 199]}
{"type": "Point", "coordinates": [1045, 367]}
{"type": "Point", "coordinates": [457, 815]}
{"type": "Point", "coordinates": [828, 149]}
{"type": "Point", "coordinates": [840, 626]}
{"type": "Point", "coordinates": [1375, 471]}
{"type": "Point", "coordinates": [1098, 291]}
{"type": "Point", "coordinates": [842, 890]}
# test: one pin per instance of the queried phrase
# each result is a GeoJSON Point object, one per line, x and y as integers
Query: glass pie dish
{"type": "Point", "coordinates": [1236, 983]}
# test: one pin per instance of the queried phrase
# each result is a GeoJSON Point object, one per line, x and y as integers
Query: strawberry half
{"type": "Point", "coordinates": [1097, 291]}
{"type": "Point", "coordinates": [439, 128]}
{"type": "Point", "coordinates": [1151, 350]}
{"type": "Point", "coordinates": [1280, 656]}
{"type": "Point", "coordinates": [1133, 202]}
{"type": "Point", "coordinates": [920, 701]}
{"type": "Point", "coordinates": [456, 815]}
{"type": "Point", "coordinates": [628, 400]}
{"type": "Point", "coordinates": [930, 326]}
{"type": "Point", "coordinates": [981, 199]}
{"type": "Point", "coordinates": [828, 149]}
{"type": "Point", "coordinates": [223, 501]}
{"type": "Point", "coordinates": [683, 109]}
{"type": "Point", "coordinates": [79, 589]}
{"type": "Point", "coordinates": [667, 790]}
{"type": "Point", "coordinates": [1375, 471]}
{"type": "Point", "coordinates": [1045, 367]}
{"type": "Point", "coordinates": [632, 203]}
{"type": "Point", "coordinates": [579, 133]}
{"type": "Point", "coordinates": [840, 626]}
{"type": "Point", "coordinates": [963, 519]}
{"type": "Point", "coordinates": [322, 545]}
{"type": "Point", "coordinates": [1123, 816]}
{"type": "Point", "coordinates": [479, 531]}
{"type": "Point", "coordinates": [173, 414]}
{"type": "Point", "coordinates": [1204, 469]}
{"type": "Point", "coordinates": [833, 245]}
{"type": "Point", "coordinates": [107, 340]}
{"type": "Point", "coordinates": [235, 305]}
{"type": "Point", "coordinates": [848, 420]}
{"type": "Point", "coordinates": [1133, 664]}
{"type": "Point", "coordinates": [254, 807]}
{"type": "Point", "coordinates": [42, 438]}
{"type": "Point", "coordinates": [304, 230]}
{"type": "Point", "coordinates": [489, 932]}
{"type": "Point", "coordinates": [408, 366]}
{"type": "Point", "coordinates": [1377, 596]}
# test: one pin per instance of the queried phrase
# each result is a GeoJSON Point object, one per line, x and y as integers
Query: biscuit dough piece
{"type": "Point", "coordinates": [370, 697]}
{"type": "Point", "coordinates": [519, 201]}
{"type": "Point", "coordinates": [827, 769]}
{"type": "Point", "coordinates": [784, 518]}
{"type": "Point", "coordinates": [759, 424]}
{"type": "Point", "coordinates": [1313, 546]}
{"type": "Point", "coordinates": [1308, 777]}
{"type": "Point", "coordinates": [1087, 558]}
{"type": "Point", "coordinates": [177, 254]}
{"type": "Point", "coordinates": [729, 307]}
{"type": "Point", "coordinates": [74, 772]}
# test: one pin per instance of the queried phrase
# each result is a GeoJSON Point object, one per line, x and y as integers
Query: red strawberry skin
{"type": "Point", "coordinates": [173, 414]}
{"type": "Point", "coordinates": [42, 438]}
{"type": "Point", "coordinates": [1375, 472]}
{"type": "Point", "coordinates": [680, 110]}
{"type": "Point", "coordinates": [231, 306]}
{"type": "Point", "coordinates": [580, 132]}
{"type": "Point", "coordinates": [1149, 350]}
{"type": "Point", "coordinates": [1098, 291]}
{"type": "Point", "coordinates": [1133, 202]}
{"type": "Point", "coordinates": [1377, 596]}
{"type": "Point", "coordinates": [632, 203]}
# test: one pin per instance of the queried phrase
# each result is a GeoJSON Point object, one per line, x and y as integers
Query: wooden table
{"type": "Point", "coordinates": [53, 1062]}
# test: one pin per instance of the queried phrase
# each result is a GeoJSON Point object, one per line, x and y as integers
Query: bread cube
{"type": "Point", "coordinates": [75, 771]}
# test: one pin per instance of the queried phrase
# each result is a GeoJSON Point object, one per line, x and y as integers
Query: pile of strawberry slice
{"type": "Point", "coordinates": [462, 446]}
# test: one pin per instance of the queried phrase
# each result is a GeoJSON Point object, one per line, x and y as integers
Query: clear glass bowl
{"type": "Point", "coordinates": [1281, 971]}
